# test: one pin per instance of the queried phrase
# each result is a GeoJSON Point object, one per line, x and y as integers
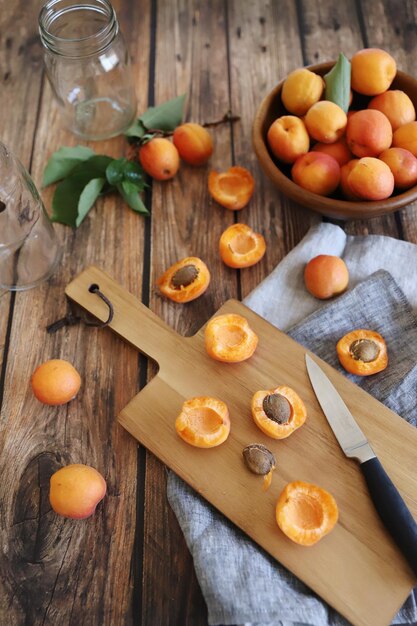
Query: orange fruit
{"type": "Point", "coordinates": [55, 382]}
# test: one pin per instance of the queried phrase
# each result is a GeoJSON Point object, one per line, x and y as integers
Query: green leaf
{"type": "Point", "coordinates": [338, 83]}
{"type": "Point", "coordinates": [133, 172]}
{"type": "Point", "coordinates": [114, 171]}
{"type": "Point", "coordinates": [130, 194]}
{"type": "Point", "coordinates": [88, 196]}
{"type": "Point", "coordinates": [68, 192]}
{"type": "Point", "coordinates": [166, 116]}
{"type": "Point", "coordinates": [136, 130]}
{"type": "Point", "coordinates": [62, 162]}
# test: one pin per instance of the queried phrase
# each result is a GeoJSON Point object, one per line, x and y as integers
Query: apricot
{"type": "Point", "coordinates": [194, 143]}
{"type": "Point", "coordinates": [362, 352]}
{"type": "Point", "coordinates": [185, 280]}
{"type": "Point", "coordinates": [316, 172]}
{"type": "Point", "coordinates": [229, 338]}
{"type": "Point", "coordinates": [406, 137]}
{"type": "Point", "coordinates": [278, 412]}
{"type": "Point", "coordinates": [75, 491]}
{"type": "Point", "coordinates": [55, 382]}
{"type": "Point", "coordinates": [301, 89]}
{"type": "Point", "coordinates": [159, 158]}
{"type": "Point", "coordinates": [396, 105]}
{"type": "Point", "coordinates": [325, 121]}
{"type": "Point", "coordinates": [232, 189]}
{"type": "Point", "coordinates": [203, 422]}
{"type": "Point", "coordinates": [240, 246]}
{"type": "Point", "coordinates": [371, 179]}
{"type": "Point", "coordinates": [372, 71]}
{"type": "Point", "coordinates": [368, 133]}
{"type": "Point", "coordinates": [344, 175]}
{"type": "Point", "coordinates": [403, 166]}
{"type": "Point", "coordinates": [326, 276]}
{"type": "Point", "coordinates": [288, 138]}
{"type": "Point", "coordinates": [306, 512]}
{"type": "Point", "coordinates": [338, 150]}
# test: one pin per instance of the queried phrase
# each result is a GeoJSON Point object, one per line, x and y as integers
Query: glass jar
{"type": "Point", "coordinates": [29, 247]}
{"type": "Point", "coordinates": [88, 66]}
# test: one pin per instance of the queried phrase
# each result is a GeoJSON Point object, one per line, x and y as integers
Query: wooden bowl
{"type": "Point", "coordinates": [335, 206]}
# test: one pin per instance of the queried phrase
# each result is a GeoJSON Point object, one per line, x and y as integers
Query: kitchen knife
{"type": "Point", "coordinates": [390, 506]}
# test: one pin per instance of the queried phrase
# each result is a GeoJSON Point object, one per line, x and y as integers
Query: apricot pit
{"type": "Point", "coordinates": [260, 460]}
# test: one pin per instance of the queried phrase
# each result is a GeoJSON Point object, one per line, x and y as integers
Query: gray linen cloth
{"type": "Point", "coordinates": [240, 582]}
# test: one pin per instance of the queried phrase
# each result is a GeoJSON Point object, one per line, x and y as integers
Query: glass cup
{"type": "Point", "coordinates": [88, 66]}
{"type": "Point", "coordinates": [29, 247]}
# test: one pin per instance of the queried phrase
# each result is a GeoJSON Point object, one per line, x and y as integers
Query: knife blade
{"type": "Point", "coordinates": [388, 502]}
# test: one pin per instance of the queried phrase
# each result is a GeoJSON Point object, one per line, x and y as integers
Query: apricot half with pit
{"type": "Point", "coordinates": [306, 512]}
{"type": "Point", "coordinates": [278, 412]}
{"type": "Point", "coordinates": [229, 338]}
{"type": "Point", "coordinates": [362, 352]}
{"type": "Point", "coordinates": [203, 422]}
{"type": "Point", "coordinates": [185, 281]}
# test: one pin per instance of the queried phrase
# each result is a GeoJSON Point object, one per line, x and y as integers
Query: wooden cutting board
{"type": "Point", "coordinates": [357, 568]}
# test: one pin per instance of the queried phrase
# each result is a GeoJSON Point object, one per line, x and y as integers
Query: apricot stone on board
{"type": "Point", "coordinates": [203, 422]}
{"type": "Point", "coordinates": [75, 490]}
{"type": "Point", "coordinates": [326, 276]}
{"type": "Point", "coordinates": [229, 338]}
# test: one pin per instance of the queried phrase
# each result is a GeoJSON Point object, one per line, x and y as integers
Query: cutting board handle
{"type": "Point", "coordinates": [132, 320]}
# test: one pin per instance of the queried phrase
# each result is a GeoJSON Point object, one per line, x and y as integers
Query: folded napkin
{"type": "Point", "coordinates": [240, 582]}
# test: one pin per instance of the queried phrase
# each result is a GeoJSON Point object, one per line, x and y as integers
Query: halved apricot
{"type": "Point", "coordinates": [186, 280]}
{"type": "Point", "coordinates": [229, 338]}
{"type": "Point", "coordinates": [232, 189]}
{"type": "Point", "coordinates": [240, 246]}
{"type": "Point", "coordinates": [278, 412]}
{"type": "Point", "coordinates": [362, 352]}
{"type": "Point", "coordinates": [203, 422]}
{"type": "Point", "coordinates": [306, 512]}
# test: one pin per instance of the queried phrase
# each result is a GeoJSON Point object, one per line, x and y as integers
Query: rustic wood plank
{"type": "Point", "coordinates": [396, 33]}
{"type": "Point", "coordinates": [260, 57]}
{"type": "Point", "coordinates": [21, 78]}
{"type": "Point", "coordinates": [59, 571]}
{"type": "Point", "coordinates": [185, 221]}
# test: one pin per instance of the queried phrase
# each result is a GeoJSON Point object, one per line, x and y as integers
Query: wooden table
{"type": "Point", "coordinates": [129, 564]}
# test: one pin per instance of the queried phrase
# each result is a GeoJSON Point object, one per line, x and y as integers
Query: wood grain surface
{"type": "Point", "coordinates": [129, 564]}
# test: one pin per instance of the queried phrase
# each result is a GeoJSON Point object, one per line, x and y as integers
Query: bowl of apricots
{"type": "Point", "coordinates": [341, 137]}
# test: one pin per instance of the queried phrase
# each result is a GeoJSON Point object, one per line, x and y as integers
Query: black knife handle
{"type": "Point", "coordinates": [392, 510]}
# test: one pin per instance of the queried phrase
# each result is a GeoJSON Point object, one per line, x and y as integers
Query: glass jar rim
{"type": "Point", "coordinates": [76, 47]}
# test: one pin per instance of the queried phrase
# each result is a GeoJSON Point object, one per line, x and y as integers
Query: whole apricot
{"type": "Point", "coordinates": [325, 121]}
{"type": "Point", "coordinates": [326, 276]}
{"type": "Point", "coordinates": [194, 143]}
{"type": "Point", "coordinates": [371, 179]}
{"type": "Point", "coordinates": [75, 491]}
{"type": "Point", "coordinates": [368, 133]}
{"type": "Point", "coordinates": [316, 172]}
{"type": "Point", "coordinates": [372, 71]}
{"type": "Point", "coordinates": [338, 150]}
{"type": "Point", "coordinates": [403, 166]}
{"type": "Point", "coordinates": [396, 105]}
{"type": "Point", "coordinates": [288, 138]}
{"type": "Point", "coordinates": [406, 137]}
{"type": "Point", "coordinates": [159, 158]}
{"type": "Point", "coordinates": [301, 89]}
{"type": "Point", "coordinates": [55, 382]}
